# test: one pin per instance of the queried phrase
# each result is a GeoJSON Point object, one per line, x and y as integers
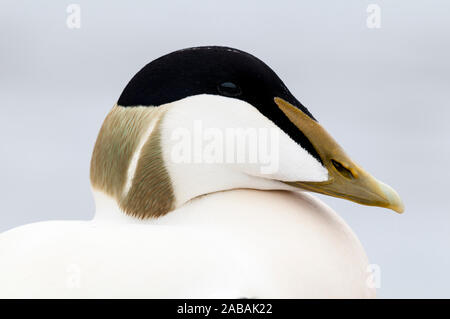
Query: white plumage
{"type": "Point", "coordinates": [233, 244]}
{"type": "Point", "coordinates": [208, 228]}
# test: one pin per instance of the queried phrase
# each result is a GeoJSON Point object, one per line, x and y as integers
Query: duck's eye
{"type": "Point", "coordinates": [229, 89]}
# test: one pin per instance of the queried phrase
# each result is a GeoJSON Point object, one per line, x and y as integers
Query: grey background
{"type": "Point", "coordinates": [382, 93]}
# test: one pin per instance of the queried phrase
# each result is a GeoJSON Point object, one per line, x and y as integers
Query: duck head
{"type": "Point", "coordinates": [208, 119]}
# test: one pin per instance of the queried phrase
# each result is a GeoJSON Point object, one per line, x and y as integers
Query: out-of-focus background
{"type": "Point", "coordinates": [383, 93]}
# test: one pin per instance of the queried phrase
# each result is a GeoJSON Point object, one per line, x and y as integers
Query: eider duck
{"type": "Point", "coordinates": [201, 175]}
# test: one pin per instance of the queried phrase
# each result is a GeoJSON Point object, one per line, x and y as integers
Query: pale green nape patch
{"type": "Point", "coordinates": [151, 193]}
{"type": "Point", "coordinates": [120, 137]}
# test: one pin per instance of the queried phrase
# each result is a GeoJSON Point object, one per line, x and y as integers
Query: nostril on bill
{"type": "Point", "coordinates": [342, 170]}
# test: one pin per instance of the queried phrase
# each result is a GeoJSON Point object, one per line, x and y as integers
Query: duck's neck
{"type": "Point", "coordinates": [232, 208]}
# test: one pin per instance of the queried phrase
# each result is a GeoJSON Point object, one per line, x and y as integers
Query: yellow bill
{"type": "Point", "coordinates": [346, 179]}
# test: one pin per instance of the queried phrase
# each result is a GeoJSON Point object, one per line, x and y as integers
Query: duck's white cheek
{"type": "Point", "coordinates": [287, 161]}
{"type": "Point", "coordinates": [217, 143]}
